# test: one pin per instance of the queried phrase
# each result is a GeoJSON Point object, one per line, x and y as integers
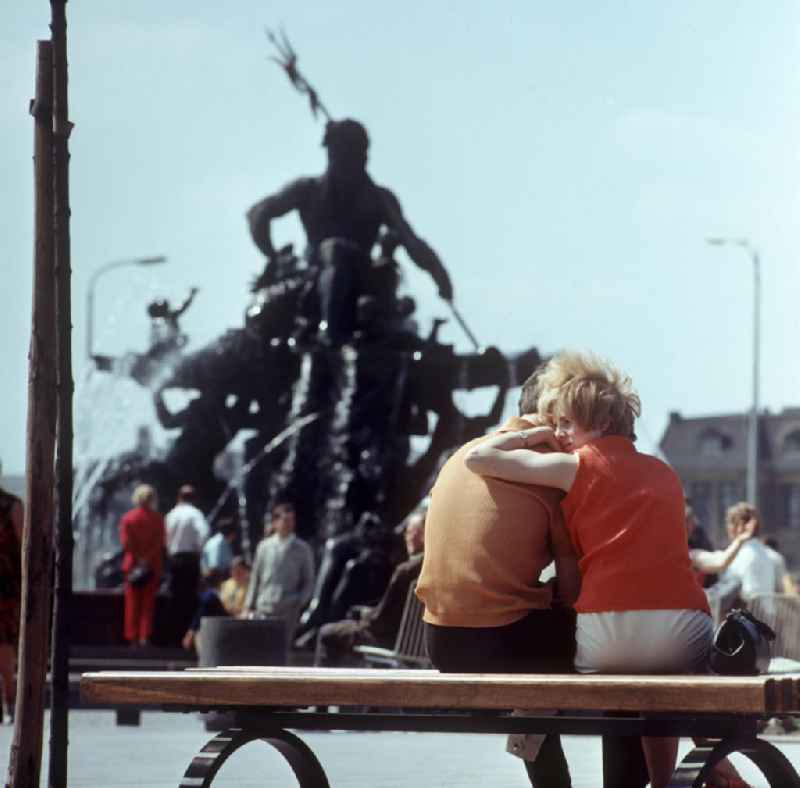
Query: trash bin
{"type": "Point", "coordinates": [237, 641]}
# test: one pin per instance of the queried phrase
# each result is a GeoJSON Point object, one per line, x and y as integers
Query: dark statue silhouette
{"type": "Point", "coordinates": [332, 378]}
{"type": "Point", "coordinates": [342, 213]}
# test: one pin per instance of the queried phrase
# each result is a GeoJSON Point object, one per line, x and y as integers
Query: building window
{"type": "Point", "coordinates": [790, 499]}
{"type": "Point", "coordinates": [700, 501]}
{"type": "Point", "coordinates": [729, 494]}
{"type": "Point", "coordinates": [712, 443]}
{"type": "Point", "coordinates": [791, 443]}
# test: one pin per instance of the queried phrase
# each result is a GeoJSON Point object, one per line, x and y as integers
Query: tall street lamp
{"type": "Point", "coordinates": [752, 431]}
{"type": "Point", "coordinates": [154, 260]}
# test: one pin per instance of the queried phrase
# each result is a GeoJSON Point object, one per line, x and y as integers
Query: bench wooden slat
{"type": "Point", "coordinates": [424, 689]}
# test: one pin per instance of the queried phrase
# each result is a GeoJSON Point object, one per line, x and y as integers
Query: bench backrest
{"type": "Point", "coordinates": [782, 613]}
{"type": "Point", "coordinates": [410, 640]}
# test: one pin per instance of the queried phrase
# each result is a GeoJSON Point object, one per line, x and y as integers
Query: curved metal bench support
{"type": "Point", "coordinates": [696, 767]}
{"type": "Point", "coordinates": [205, 765]}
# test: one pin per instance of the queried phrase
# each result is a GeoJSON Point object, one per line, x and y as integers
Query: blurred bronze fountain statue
{"type": "Point", "coordinates": [331, 376]}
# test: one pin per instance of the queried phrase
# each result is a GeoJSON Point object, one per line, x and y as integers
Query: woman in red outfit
{"type": "Point", "coordinates": [143, 538]}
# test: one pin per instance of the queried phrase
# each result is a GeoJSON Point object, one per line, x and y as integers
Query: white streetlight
{"type": "Point", "coordinates": [154, 260]}
{"type": "Point", "coordinates": [752, 432]}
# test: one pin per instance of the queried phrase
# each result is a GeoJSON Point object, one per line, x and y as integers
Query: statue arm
{"type": "Point", "coordinates": [260, 216]}
{"type": "Point", "coordinates": [168, 420]}
{"type": "Point", "coordinates": [186, 304]}
{"type": "Point", "coordinates": [418, 250]}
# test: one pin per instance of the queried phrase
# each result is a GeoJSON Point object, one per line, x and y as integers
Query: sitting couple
{"type": "Point", "coordinates": [564, 483]}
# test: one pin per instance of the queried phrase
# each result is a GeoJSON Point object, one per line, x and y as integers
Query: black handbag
{"type": "Point", "coordinates": [741, 645]}
{"type": "Point", "coordinates": [140, 573]}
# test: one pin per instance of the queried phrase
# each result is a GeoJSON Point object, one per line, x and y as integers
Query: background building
{"type": "Point", "coordinates": [710, 455]}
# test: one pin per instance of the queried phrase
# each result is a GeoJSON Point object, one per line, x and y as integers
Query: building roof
{"type": "Point", "coordinates": [693, 443]}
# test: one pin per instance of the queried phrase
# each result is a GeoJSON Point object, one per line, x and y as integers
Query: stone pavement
{"type": "Point", "coordinates": [156, 754]}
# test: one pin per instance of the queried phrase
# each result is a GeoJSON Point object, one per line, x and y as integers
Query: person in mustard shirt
{"type": "Point", "coordinates": [486, 544]}
{"type": "Point", "coordinates": [640, 607]}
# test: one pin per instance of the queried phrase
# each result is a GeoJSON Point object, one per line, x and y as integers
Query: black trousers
{"type": "Point", "coordinates": [542, 642]}
{"type": "Point", "coordinates": [184, 584]}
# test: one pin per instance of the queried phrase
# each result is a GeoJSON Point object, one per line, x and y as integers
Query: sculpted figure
{"type": "Point", "coordinates": [164, 328]}
{"type": "Point", "coordinates": [342, 212]}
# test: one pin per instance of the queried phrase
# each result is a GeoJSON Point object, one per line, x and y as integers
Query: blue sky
{"type": "Point", "coordinates": [565, 160]}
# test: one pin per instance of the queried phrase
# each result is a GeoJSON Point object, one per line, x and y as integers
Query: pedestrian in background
{"type": "Point", "coordinates": [378, 625]}
{"type": "Point", "coordinates": [752, 567]}
{"type": "Point", "coordinates": [209, 604]}
{"type": "Point", "coordinates": [143, 537]}
{"type": "Point", "coordinates": [218, 550]}
{"type": "Point", "coordinates": [785, 581]}
{"type": "Point", "coordinates": [187, 531]}
{"type": "Point", "coordinates": [282, 579]}
{"type": "Point", "coordinates": [234, 589]}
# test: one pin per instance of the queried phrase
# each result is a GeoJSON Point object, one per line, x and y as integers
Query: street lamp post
{"type": "Point", "coordinates": [154, 260]}
{"type": "Point", "coordinates": [752, 424]}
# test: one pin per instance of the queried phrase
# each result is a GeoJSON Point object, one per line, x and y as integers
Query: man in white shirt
{"type": "Point", "coordinates": [752, 566]}
{"type": "Point", "coordinates": [187, 530]}
{"type": "Point", "coordinates": [786, 584]}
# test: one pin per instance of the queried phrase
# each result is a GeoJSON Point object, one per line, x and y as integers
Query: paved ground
{"type": "Point", "coordinates": [156, 754]}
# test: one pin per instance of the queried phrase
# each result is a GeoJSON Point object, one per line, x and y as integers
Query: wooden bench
{"type": "Point", "coordinates": [268, 703]}
{"type": "Point", "coordinates": [116, 658]}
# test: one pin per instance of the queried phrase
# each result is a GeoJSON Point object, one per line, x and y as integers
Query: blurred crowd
{"type": "Point", "coordinates": [204, 574]}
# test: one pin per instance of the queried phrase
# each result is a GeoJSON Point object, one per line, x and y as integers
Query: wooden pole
{"type": "Point", "coordinates": [26, 747]}
{"type": "Point", "coordinates": [59, 661]}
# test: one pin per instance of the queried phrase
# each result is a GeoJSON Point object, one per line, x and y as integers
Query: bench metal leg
{"type": "Point", "coordinates": [695, 768]}
{"type": "Point", "coordinates": [127, 715]}
{"type": "Point", "coordinates": [207, 762]}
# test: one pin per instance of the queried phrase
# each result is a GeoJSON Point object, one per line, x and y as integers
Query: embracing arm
{"type": "Point", "coordinates": [507, 455]}
{"type": "Point", "coordinates": [567, 572]}
{"type": "Point", "coordinates": [717, 561]}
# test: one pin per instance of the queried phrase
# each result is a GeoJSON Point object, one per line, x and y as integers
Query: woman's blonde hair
{"type": "Point", "coordinates": [143, 495]}
{"type": "Point", "coordinates": [590, 391]}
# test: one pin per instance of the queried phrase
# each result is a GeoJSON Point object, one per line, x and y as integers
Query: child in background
{"type": "Point", "coordinates": [209, 604]}
{"type": "Point", "coordinates": [234, 589]}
